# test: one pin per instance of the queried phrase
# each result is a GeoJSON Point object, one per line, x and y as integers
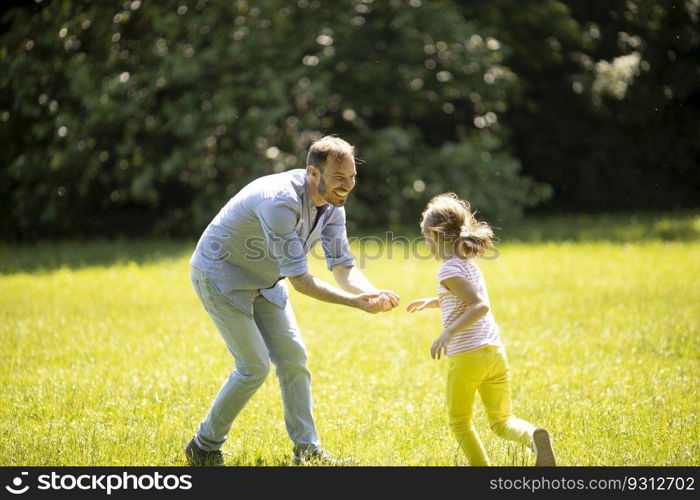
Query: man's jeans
{"type": "Point", "coordinates": [272, 334]}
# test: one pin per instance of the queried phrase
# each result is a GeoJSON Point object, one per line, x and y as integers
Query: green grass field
{"type": "Point", "coordinates": [109, 359]}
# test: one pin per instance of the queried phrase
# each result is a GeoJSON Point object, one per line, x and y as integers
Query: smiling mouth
{"type": "Point", "coordinates": [342, 194]}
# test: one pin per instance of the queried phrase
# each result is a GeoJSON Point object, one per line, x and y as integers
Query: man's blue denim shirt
{"type": "Point", "coordinates": [263, 235]}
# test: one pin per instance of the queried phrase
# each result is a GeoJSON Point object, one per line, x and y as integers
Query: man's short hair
{"type": "Point", "coordinates": [329, 146]}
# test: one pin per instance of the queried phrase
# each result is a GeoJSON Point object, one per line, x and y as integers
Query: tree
{"type": "Point", "coordinates": [146, 118]}
{"type": "Point", "coordinates": [606, 105]}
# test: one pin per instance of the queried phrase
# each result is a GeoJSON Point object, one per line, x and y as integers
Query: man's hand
{"type": "Point", "coordinates": [375, 302]}
{"type": "Point", "coordinates": [371, 302]}
{"type": "Point", "coordinates": [420, 304]}
{"type": "Point", "coordinates": [351, 279]}
{"type": "Point", "coordinates": [390, 299]}
{"type": "Point", "coordinates": [440, 345]}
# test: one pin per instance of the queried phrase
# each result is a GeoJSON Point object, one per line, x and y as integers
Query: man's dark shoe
{"type": "Point", "coordinates": [198, 457]}
{"type": "Point", "coordinates": [319, 456]}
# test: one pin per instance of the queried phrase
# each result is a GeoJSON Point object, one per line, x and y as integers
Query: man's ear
{"type": "Point", "coordinates": [314, 171]}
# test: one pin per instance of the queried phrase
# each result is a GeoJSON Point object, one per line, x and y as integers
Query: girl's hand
{"type": "Point", "coordinates": [440, 345]}
{"type": "Point", "coordinates": [420, 304]}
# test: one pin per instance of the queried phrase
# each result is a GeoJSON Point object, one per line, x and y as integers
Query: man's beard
{"type": "Point", "coordinates": [329, 195]}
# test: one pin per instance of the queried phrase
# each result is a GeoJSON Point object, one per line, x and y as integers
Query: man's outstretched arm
{"type": "Point", "coordinates": [308, 284]}
{"type": "Point", "coordinates": [341, 262]}
{"type": "Point", "coordinates": [351, 279]}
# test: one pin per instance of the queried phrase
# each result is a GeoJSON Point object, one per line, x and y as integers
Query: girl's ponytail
{"type": "Point", "coordinates": [475, 238]}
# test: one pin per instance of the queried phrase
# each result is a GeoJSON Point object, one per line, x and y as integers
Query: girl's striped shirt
{"type": "Point", "coordinates": [485, 330]}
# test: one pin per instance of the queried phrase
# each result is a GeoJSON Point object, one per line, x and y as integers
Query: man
{"type": "Point", "coordinates": [261, 236]}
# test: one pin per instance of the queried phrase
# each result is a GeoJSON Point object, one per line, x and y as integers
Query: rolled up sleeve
{"type": "Point", "coordinates": [278, 219]}
{"type": "Point", "coordinates": [334, 239]}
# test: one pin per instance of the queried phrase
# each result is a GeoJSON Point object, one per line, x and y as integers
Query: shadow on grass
{"type": "Point", "coordinates": [245, 461]}
{"type": "Point", "coordinates": [615, 228]}
{"type": "Point", "coordinates": [618, 228]}
{"type": "Point", "coordinates": [48, 256]}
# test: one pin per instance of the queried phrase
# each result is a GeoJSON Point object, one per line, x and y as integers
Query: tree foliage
{"type": "Point", "coordinates": [151, 115]}
{"type": "Point", "coordinates": [606, 110]}
{"type": "Point", "coordinates": [145, 117]}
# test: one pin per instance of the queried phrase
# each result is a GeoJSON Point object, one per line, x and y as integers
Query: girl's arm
{"type": "Point", "coordinates": [420, 304]}
{"type": "Point", "coordinates": [467, 292]}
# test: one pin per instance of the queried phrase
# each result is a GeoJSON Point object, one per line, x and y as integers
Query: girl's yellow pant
{"type": "Point", "coordinates": [485, 370]}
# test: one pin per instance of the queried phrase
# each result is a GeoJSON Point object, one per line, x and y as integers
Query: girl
{"type": "Point", "coordinates": [470, 338]}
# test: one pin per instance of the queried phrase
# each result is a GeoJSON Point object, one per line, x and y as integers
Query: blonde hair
{"type": "Point", "coordinates": [335, 147]}
{"type": "Point", "coordinates": [448, 218]}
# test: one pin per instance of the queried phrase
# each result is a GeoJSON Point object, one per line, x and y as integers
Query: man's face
{"type": "Point", "coordinates": [337, 180]}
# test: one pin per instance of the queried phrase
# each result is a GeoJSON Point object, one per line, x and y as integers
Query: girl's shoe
{"type": "Point", "coordinates": [542, 446]}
